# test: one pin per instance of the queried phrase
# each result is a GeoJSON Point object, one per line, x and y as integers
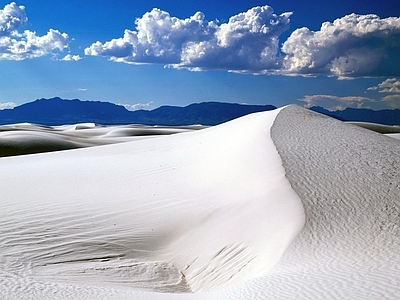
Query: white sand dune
{"type": "Point", "coordinates": [349, 181]}
{"type": "Point", "coordinates": [394, 135]}
{"type": "Point", "coordinates": [385, 129]}
{"type": "Point", "coordinates": [210, 214]}
{"type": "Point", "coordinates": [26, 138]}
{"type": "Point", "coordinates": [184, 213]}
{"type": "Point", "coordinates": [391, 131]}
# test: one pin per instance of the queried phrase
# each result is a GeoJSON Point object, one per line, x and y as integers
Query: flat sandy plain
{"type": "Point", "coordinates": [285, 204]}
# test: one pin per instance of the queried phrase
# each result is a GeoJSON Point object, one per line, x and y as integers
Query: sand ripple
{"type": "Point", "coordinates": [348, 179]}
{"type": "Point", "coordinates": [190, 212]}
{"type": "Point", "coordinates": [208, 212]}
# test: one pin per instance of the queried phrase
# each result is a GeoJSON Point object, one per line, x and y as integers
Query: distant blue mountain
{"type": "Point", "coordinates": [386, 116]}
{"type": "Point", "coordinates": [57, 111]}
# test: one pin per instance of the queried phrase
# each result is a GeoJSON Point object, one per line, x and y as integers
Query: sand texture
{"type": "Point", "coordinates": [284, 204]}
{"type": "Point", "coordinates": [191, 212]}
{"type": "Point", "coordinates": [349, 181]}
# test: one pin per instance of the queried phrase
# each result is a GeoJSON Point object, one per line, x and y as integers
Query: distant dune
{"type": "Point", "coordinates": [284, 204]}
{"type": "Point", "coordinates": [385, 129]}
{"type": "Point", "coordinates": [25, 138]}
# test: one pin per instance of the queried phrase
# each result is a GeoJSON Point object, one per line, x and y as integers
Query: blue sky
{"type": "Point", "coordinates": [144, 54]}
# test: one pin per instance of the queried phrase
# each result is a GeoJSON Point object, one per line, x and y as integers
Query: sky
{"type": "Point", "coordinates": [145, 54]}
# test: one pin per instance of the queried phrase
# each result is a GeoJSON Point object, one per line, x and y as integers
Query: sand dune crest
{"type": "Point", "coordinates": [211, 212]}
{"type": "Point", "coordinates": [348, 179]}
{"type": "Point", "coordinates": [195, 211]}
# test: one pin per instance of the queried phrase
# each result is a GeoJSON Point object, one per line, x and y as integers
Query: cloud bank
{"type": "Point", "coordinates": [390, 86]}
{"type": "Point", "coordinates": [7, 105]}
{"type": "Point", "coordinates": [331, 102]}
{"type": "Point", "coordinates": [138, 106]}
{"type": "Point", "coordinates": [352, 46]}
{"type": "Point", "coordinates": [355, 45]}
{"type": "Point", "coordinates": [247, 42]}
{"type": "Point", "coordinates": [16, 45]}
{"type": "Point", "coordinates": [392, 100]}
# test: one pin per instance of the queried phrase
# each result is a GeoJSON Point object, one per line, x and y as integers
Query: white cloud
{"type": "Point", "coordinates": [349, 47]}
{"type": "Point", "coordinates": [70, 57]}
{"type": "Point", "coordinates": [16, 45]}
{"type": "Point", "coordinates": [355, 45]}
{"type": "Point", "coordinates": [331, 102]}
{"type": "Point", "coordinates": [138, 106]}
{"type": "Point", "coordinates": [11, 18]}
{"type": "Point", "coordinates": [248, 42]}
{"type": "Point", "coordinates": [158, 39]}
{"type": "Point", "coordinates": [390, 85]}
{"type": "Point", "coordinates": [7, 105]}
{"type": "Point", "coordinates": [392, 100]}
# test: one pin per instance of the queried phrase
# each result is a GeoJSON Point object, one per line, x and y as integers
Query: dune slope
{"type": "Point", "coordinates": [211, 212]}
{"type": "Point", "coordinates": [189, 212]}
{"type": "Point", "coordinates": [26, 138]}
{"type": "Point", "coordinates": [349, 181]}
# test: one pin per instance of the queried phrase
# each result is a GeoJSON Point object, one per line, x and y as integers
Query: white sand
{"type": "Point", "coordinates": [349, 182]}
{"type": "Point", "coordinates": [26, 138]}
{"type": "Point", "coordinates": [385, 129]}
{"type": "Point", "coordinates": [209, 212]}
{"type": "Point", "coordinates": [394, 135]}
{"type": "Point", "coordinates": [192, 212]}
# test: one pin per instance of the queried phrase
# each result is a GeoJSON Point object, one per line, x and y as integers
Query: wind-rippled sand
{"type": "Point", "coordinates": [285, 204]}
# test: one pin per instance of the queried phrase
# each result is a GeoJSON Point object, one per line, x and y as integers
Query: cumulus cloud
{"type": "Point", "coordinates": [158, 39]}
{"type": "Point", "coordinates": [355, 45]}
{"type": "Point", "coordinates": [390, 85]}
{"type": "Point", "coordinates": [138, 106]}
{"type": "Point", "coordinates": [16, 45]}
{"type": "Point", "coordinates": [249, 41]}
{"type": "Point", "coordinates": [11, 18]}
{"type": "Point", "coordinates": [332, 103]}
{"type": "Point", "coordinates": [70, 57]}
{"type": "Point", "coordinates": [349, 47]}
{"type": "Point", "coordinates": [7, 105]}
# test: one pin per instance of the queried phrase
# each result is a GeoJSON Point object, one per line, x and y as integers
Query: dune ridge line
{"type": "Point", "coordinates": [191, 212]}
{"type": "Point", "coordinates": [348, 180]}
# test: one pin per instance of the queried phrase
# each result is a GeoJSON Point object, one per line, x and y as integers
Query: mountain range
{"type": "Point", "coordinates": [57, 111]}
{"type": "Point", "coordinates": [386, 116]}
